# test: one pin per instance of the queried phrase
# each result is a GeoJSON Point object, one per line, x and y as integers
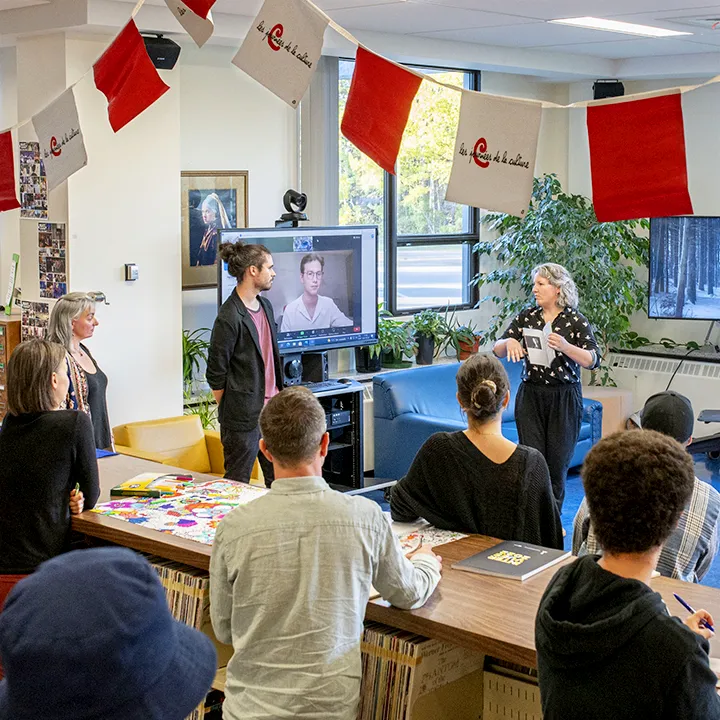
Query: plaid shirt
{"type": "Point", "coordinates": [688, 553]}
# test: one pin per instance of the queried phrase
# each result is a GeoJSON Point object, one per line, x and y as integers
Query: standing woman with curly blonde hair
{"type": "Point", "coordinates": [548, 407]}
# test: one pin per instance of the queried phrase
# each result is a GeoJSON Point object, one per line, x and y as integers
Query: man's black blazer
{"type": "Point", "coordinates": [235, 364]}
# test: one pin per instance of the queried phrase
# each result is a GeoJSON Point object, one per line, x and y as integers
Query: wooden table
{"type": "Point", "coordinates": [496, 616]}
{"type": "Point", "coordinates": [117, 469]}
{"type": "Point", "coordinates": [492, 615]}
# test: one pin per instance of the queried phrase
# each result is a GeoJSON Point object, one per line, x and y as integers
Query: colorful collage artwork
{"type": "Point", "coordinates": [192, 513]}
{"type": "Point", "coordinates": [195, 510]}
{"type": "Point", "coordinates": [52, 260]}
{"type": "Point", "coordinates": [33, 183]}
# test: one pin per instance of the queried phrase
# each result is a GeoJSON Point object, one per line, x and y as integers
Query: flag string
{"type": "Point", "coordinates": [546, 104]}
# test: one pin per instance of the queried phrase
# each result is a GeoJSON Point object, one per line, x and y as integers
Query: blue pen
{"type": "Point", "coordinates": [689, 609]}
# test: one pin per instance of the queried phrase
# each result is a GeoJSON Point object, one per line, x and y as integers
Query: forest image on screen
{"type": "Point", "coordinates": [683, 268]}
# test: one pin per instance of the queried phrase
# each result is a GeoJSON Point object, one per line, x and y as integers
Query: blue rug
{"type": "Point", "coordinates": [706, 469]}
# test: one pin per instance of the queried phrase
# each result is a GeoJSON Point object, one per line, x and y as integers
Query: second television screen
{"type": "Point", "coordinates": [324, 294]}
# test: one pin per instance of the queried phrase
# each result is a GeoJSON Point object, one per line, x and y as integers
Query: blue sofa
{"type": "Point", "coordinates": [411, 405]}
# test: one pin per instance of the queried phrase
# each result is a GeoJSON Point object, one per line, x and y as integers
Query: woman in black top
{"type": "Point", "coordinates": [71, 322]}
{"type": "Point", "coordinates": [44, 453]}
{"type": "Point", "coordinates": [477, 481]}
{"type": "Point", "coordinates": [548, 407]}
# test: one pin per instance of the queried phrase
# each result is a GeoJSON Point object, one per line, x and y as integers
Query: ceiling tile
{"type": "Point", "coordinates": [639, 47]}
{"type": "Point", "coordinates": [550, 9]}
{"type": "Point", "coordinates": [13, 4]}
{"type": "Point", "coordinates": [406, 17]}
{"type": "Point", "coordinates": [538, 35]}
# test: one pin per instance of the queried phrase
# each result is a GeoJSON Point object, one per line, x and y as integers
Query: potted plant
{"type": "Point", "coordinates": [367, 357]}
{"type": "Point", "coordinates": [396, 342]}
{"type": "Point", "coordinates": [601, 257]}
{"type": "Point", "coordinates": [463, 338]}
{"type": "Point", "coordinates": [194, 350]}
{"type": "Point", "coordinates": [428, 327]}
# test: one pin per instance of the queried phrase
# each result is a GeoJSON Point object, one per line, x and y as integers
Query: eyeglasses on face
{"type": "Point", "coordinates": [312, 274]}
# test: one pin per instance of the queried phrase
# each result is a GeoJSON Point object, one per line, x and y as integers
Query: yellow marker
{"type": "Point", "coordinates": [77, 487]}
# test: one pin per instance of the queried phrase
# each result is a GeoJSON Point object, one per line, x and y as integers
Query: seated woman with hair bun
{"type": "Point", "coordinates": [477, 481]}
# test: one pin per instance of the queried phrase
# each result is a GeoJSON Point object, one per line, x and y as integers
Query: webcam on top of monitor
{"type": "Point", "coordinates": [295, 203]}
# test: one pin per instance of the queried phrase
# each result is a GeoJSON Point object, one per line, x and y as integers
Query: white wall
{"type": "Point", "coordinates": [125, 207]}
{"type": "Point", "coordinates": [9, 227]}
{"type": "Point", "coordinates": [228, 121]}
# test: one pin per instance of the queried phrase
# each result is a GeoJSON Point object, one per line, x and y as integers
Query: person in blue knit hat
{"type": "Point", "coordinates": [89, 636]}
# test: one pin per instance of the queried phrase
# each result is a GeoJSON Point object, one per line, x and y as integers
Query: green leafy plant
{"type": "Point", "coordinates": [462, 338]}
{"type": "Point", "coordinates": [203, 405]}
{"type": "Point", "coordinates": [429, 323]}
{"type": "Point", "coordinates": [195, 350]}
{"type": "Point", "coordinates": [395, 338]}
{"type": "Point", "coordinates": [601, 257]}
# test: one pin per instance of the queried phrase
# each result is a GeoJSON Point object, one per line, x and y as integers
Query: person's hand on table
{"type": "Point", "coordinates": [515, 351]}
{"type": "Point", "coordinates": [426, 549]}
{"type": "Point", "coordinates": [77, 502]}
{"type": "Point", "coordinates": [695, 623]}
{"type": "Point", "coordinates": [557, 342]}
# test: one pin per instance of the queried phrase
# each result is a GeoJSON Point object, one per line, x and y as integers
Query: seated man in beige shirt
{"type": "Point", "coordinates": [290, 577]}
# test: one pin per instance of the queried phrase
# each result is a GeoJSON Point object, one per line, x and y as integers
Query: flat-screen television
{"type": "Point", "coordinates": [684, 278]}
{"type": "Point", "coordinates": [324, 294]}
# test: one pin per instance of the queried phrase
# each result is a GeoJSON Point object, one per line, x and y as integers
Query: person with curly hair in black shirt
{"type": "Point", "coordinates": [477, 481]}
{"type": "Point", "coordinates": [607, 646]}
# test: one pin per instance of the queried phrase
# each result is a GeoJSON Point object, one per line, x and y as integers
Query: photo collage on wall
{"type": "Point", "coordinates": [52, 260]}
{"type": "Point", "coordinates": [34, 319]}
{"type": "Point", "coordinates": [33, 183]}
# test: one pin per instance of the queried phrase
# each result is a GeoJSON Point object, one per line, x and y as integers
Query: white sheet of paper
{"type": "Point", "coordinates": [537, 348]}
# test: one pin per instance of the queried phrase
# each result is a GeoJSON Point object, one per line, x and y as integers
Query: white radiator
{"type": "Point", "coordinates": [696, 379]}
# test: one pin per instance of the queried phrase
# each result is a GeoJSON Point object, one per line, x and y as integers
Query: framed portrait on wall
{"type": "Point", "coordinates": [210, 201]}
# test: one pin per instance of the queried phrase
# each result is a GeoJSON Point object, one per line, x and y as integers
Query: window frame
{"type": "Point", "coordinates": [391, 240]}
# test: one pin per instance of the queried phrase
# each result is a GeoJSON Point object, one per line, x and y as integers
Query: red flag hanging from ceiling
{"type": "Point", "coordinates": [637, 158]}
{"type": "Point", "coordinates": [195, 17]}
{"type": "Point", "coordinates": [8, 193]}
{"type": "Point", "coordinates": [378, 106]}
{"type": "Point", "coordinates": [127, 77]}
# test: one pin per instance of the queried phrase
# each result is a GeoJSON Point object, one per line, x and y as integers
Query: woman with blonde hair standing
{"type": "Point", "coordinates": [548, 407]}
{"type": "Point", "coordinates": [71, 322]}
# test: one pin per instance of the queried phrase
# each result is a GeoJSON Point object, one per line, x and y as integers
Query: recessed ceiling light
{"type": "Point", "coordinates": [619, 27]}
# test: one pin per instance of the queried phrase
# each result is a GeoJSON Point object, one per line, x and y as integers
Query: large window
{"type": "Point", "coordinates": [426, 257]}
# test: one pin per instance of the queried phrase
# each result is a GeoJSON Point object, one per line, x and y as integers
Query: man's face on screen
{"type": "Point", "coordinates": [311, 277]}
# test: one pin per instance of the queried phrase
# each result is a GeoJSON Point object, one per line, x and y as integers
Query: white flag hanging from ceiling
{"type": "Point", "coordinates": [195, 17]}
{"type": "Point", "coordinates": [495, 151]}
{"type": "Point", "coordinates": [62, 148]}
{"type": "Point", "coordinates": [283, 47]}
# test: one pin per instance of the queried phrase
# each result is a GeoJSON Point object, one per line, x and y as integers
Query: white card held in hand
{"type": "Point", "coordinates": [538, 351]}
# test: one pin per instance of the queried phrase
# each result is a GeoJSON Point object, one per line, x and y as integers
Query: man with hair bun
{"type": "Point", "coordinates": [290, 578]}
{"type": "Point", "coordinates": [607, 647]}
{"type": "Point", "coordinates": [243, 368]}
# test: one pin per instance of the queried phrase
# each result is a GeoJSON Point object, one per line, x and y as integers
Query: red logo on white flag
{"type": "Point", "coordinates": [283, 47]}
{"type": "Point", "coordinates": [62, 148]}
{"type": "Point", "coordinates": [195, 18]}
{"type": "Point", "coordinates": [495, 152]}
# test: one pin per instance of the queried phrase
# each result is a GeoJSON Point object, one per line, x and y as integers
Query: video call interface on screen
{"type": "Point", "coordinates": [324, 294]}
